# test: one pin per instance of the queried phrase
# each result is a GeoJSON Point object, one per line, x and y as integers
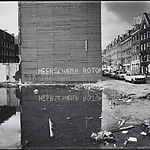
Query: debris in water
{"type": "Point", "coordinates": [146, 123]}
{"type": "Point", "coordinates": [26, 142]}
{"type": "Point", "coordinates": [36, 91]}
{"type": "Point", "coordinates": [121, 122]}
{"type": "Point", "coordinates": [129, 100]}
{"type": "Point", "coordinates": [115, 145]}
{"type": "Point", "coordinates": [68, 118]}
{"type": "Point", "coordinates": [125, 132]}
{"type": "Point", "coordinates": [103, 135]}
{"type": "Point", "coordinates": [132, 139]}
{"type": "Point", "coordinates": [50, 128]}
{"type": "Point", "coordinates": [89, 118]}
{"type": "Point", "coordinates": [44, 108]}
{"type": "Point", "coordinates": [125, 128]}
{"type": "Point", "coordinates": [125, 143]}
{"type": "Point", "coordinates": [143, 133]}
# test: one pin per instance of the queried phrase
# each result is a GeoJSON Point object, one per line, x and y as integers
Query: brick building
{"type": "Point", "coordinates": [60, 41]}
{"type": "Point", "coordinates": [8, 48]}
{"type": "Point", "coordinates": [144, 33]}
{"type": "Point", "coordinates": [133, 47]}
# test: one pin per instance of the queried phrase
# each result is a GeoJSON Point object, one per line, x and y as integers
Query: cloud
{"type": "Point", "coordinates": [111, 26]}
{"type": "Point", "coordinates": [118, 16]}
{"type": "Point", "coordinates": [9, 16]}
{"type": "Point", "coordinates": [127, 10]}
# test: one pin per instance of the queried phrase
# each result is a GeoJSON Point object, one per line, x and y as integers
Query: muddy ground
{"type": "Point", "coordinates": [131, 103]}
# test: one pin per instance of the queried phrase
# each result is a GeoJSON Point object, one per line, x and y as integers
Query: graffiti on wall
{"type": "Point", "coordinates": [89, 70]}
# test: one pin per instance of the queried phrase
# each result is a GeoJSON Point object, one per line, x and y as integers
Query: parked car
{"type": "Point", "coordinates": [135, 78]}
{"type": "Point", "coordinates": [120, 75]}
{"type": "Point", "coordinates": [112, 74]}
{"type": "Point", "coordinates": [105, 72]}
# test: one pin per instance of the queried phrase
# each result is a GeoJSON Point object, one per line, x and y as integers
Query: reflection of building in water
{"type": "Point", "coordinates": [9, 103]}
{"type": "Point", "coordinates": [6, 112]}
{"type": "Point", "coordinates": [8, 97]}
{"type": "Point", "coordinates": [74, 114]}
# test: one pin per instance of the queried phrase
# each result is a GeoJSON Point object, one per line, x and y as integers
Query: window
{"type": "Point", "coordinates": [147, 45]}
{"type": "Point", "coordinates": [4, 35]}
{"type": "Point", "coordinates": [135, 48]}
{"type": "Point", "coordinates": [132, 38]}
{"type": "Point", "coordinates": [141, 37]}
{"type": "Point", "coordinates": [147, 34]}
{"type": "Point", "coordinates": [144, 26]}
{"type": "Point", "coordinates": [144, 46]}
{"type": "Point", "coordinates": [141, 47]}
{"type": "Point", "coordinates": [144, 35]}
{"type": "Point", "coordinates": [147, 57]}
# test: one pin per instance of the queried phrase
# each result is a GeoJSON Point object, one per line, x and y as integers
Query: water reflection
{"type": "Point", "coordinates": [109, 120]}
{"type": "Point", "coordinates": [74, 115]}
{"type": "Point", "coordinates": [9, 119]}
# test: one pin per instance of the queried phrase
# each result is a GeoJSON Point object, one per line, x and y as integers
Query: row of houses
{"type": "Point", "coordinates": [130, 51]}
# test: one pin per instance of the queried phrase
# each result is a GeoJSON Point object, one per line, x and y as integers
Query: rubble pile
{"type": "Point", "coordinates": [115, 95]}
{"type": "Point", "coordinates": [111, 137]}
{"type": "Point", "coordinates": [104, 136]}
{"type": "Point", "coordinates": [90, 87]}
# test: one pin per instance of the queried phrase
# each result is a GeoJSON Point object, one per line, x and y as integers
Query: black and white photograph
{"type": "Point", "coordinates": [74, 74]}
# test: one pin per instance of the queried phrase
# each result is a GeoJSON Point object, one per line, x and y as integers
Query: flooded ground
{"type": "Point", "coordinates": [63, 117]}
{"type": "Point", "coordinates": [10, 129]}
{"type": "Point", "coordinates": [74, 115]}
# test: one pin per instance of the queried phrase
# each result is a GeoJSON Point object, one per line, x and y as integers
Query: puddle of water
{"type": "Point", "coordinates": [108, 111]}
{"type": "Point", "coordinates": [10, 132]}
{"type": "Point", "coordinates": [74, 115]}
{"type": "Point", "coordinates": [9, 119]}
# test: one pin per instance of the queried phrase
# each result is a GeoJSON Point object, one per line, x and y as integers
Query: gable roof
{"type": "Point", "coordinates": [146, 19]}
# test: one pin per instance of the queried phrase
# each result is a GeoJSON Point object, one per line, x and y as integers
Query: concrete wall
{"type": "Point", "coordinates": [9, 70]}
{"type": "Point", "coordinates": [60, 41]}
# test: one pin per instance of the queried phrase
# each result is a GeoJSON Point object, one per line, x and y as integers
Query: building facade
{"type": "Point", "coordinates": [8, 48]}
{"type": "Point", "coordinates": [60, 41]}
{"type": "Point", "coordinates": [144, 44]}
{"type": "Point", "coordinates": [133, 47]}
{"type": "Point", "coordinates": [125, 51]}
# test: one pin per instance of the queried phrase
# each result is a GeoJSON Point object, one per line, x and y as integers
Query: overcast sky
{"type": "Point", "coordinates": [9, 16]}
{"type": "Point", "coordinates": [117, 17]}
